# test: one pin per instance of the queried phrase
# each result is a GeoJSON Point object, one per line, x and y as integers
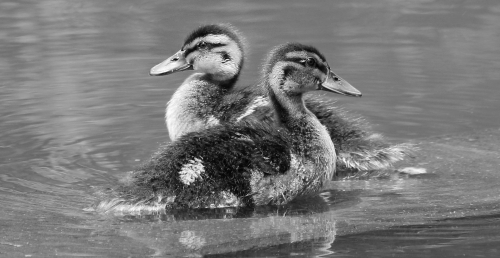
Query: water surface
{"type": "Point", "coordinates": [78, 109]}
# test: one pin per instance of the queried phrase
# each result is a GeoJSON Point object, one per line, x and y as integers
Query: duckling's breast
{"type": "Point", "coordinates": [192, 107]}
{"type": "Point", "coordinates": [313, 162]}
{"type": "Point", "coordinates": [280, 189]}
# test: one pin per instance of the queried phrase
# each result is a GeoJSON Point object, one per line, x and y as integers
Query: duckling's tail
{"type": "Point", "coordinates": [358, 148]}
{"type": "Point", "coordinates": [130, 207]}
{"type": "Point", "coordinates": [132, 199]}
{"type": "Point", "coordinates": [372, 158]}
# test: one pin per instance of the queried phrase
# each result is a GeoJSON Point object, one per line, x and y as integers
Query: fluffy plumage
{"type": "Point", "coordinates": [244, 164]}
{"type": "Point", "coordinates": [209, 98]}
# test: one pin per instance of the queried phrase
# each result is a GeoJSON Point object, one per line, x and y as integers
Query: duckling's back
{"type": "Point", "coordinates": [213, 168]}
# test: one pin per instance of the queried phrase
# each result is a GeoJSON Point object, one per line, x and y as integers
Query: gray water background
{"type": "Point", "coordinates": [78, 109]}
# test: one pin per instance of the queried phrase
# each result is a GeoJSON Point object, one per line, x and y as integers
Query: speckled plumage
{"type": "Point", "coordinates": [228, 155]}
{"type": "Point", "coordinates": [243, 164]}
{"type": "Point", "coordinates": [203, 101]}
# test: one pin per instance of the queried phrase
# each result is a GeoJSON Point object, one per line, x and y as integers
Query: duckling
{"type": "Point", "coordinates": [217, 51]}
{"type": "Point", "coordinates": [246, 164]}
{"type": "Point", "coordinates": [209, 98]}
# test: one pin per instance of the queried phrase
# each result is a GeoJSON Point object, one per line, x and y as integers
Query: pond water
{"type": "Point", "coordinates": [78, 110]}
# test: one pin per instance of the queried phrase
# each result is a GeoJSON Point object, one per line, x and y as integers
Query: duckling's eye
{"type": "Point", "coordinates": [202, 45]}
{"type": "Point", "coordinates": [311, 62]}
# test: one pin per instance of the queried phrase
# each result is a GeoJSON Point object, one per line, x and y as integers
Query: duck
{"type": "Point", "coordinates": [209, 97]}
{"type": "Point", "coordinates": [250, 163]}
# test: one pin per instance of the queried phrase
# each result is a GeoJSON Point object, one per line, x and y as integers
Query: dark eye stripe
{"type": "Point", "coordinates": [297, 60]}
{"type": "Point", "coordinates": [225, 55]}
{"type": "Point", "coordinates": [323, 68]}
{"type": "Point", "coordinates": [189, 51]}
{"type": "Point", "coordinates": [208, 46]}
{"type": "Point", "coordinates": [212, 45]}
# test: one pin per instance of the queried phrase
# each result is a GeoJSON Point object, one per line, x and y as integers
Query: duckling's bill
{"type": "Point", "coordinates": [175, 63]}
{"type": "Point", "coordinates": [338, 85]}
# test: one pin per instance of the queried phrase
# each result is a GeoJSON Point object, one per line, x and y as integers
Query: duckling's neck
{"type": "Point", "coordinates": [225, 82]}
{"type": "Point", "coordinates": [289, 109]}
{"type": "Point", "coordinates": [192, 106]}
{"type": "Point", "coordinates": [223, 75]}
{"type": "Point", "coordinates": [310, 137]}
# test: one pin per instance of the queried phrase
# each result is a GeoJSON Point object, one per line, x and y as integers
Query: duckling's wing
{"type": "Point", "coordinates": [357, 147]}
{"type": "Point", "coordinates": [235, 103]}
{"type": "Point", "coordinates": [245, 103]}
{"type": "Point", "coordinates": [272, 151]}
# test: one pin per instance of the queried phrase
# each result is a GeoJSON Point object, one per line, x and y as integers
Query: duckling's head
{"type": "Point", "coordinates": [293, 69]}
{"type": "Point", "coordinates": [216, 50]}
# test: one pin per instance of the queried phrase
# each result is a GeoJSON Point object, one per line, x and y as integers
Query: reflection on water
{"type": "Point", "coordinates": [195, 237]}
{"type": "Point", "coordinates": [77, 109]}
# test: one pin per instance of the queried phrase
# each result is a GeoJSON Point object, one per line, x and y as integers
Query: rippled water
{"type": "Point", "coordinates": [78, 109]}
